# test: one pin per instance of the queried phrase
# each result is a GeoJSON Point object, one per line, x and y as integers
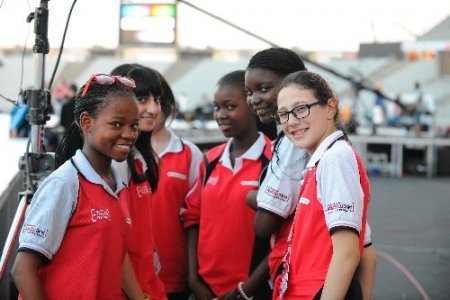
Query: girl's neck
{"type": "Point", "coordinates": [102, 166]}
{"type": "Point", "coordinates": [160, 139]}
{"type": "Point", "coordinates": [329, 131]}
{"type": "Point", "coordinates": [240, 145]}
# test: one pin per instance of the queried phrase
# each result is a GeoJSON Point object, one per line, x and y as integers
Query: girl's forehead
{"type": "Point", "coordinates": [293, 94]}
{"type": "Point", "coordinates": [261, 74]}
{"type": "Point", "coordinates": [230, 91]}
{"type": "Point", "coordinates": [114, 101]}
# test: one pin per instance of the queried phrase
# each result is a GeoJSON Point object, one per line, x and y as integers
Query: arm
{"type": "Point", "coordinates": [130, 283]}
{"type": "Point", "coordinates": [366, 271]}
{"type": "Point", "coordinates": [25, 275]}
{"type": "Point", "coordinates": [251, 199]}
{"type": "Point", "coordinates": [200, 290]}
{"type": "Point", "coordinates": [257, 278]}
{"type": "Point", "coordinates": [343, 264]}
{"type": "Point", "coordinates": [266, 223]}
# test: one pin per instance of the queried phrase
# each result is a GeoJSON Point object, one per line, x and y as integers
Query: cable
{"type": "Point", "coordinates": [358, 84]}
{"type": "Point", "coordinates": [62, 45]}
{"type": "Point", "coordinates": [9, 100]}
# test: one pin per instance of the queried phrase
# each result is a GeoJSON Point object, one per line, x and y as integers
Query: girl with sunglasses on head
{"type": "Point", "coordinates": [73, 241]}
{"type": "Point", "coordinates": [326, 238]}
{"type": "Point", "coordinates": [277, 195]}
{"type": "Point", "coordinates": [221, 235]}
{"type": "Point", "coordinates": [179, 168]}
{"type": "Point", "coordinates": [141, 171]}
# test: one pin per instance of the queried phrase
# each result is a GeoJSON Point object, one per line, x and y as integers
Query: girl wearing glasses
{"type": "Point", "coordinates": [326, 238]}
{"type": "Point", "coordinates": [74, 238]}
{"type": "Point", "coordinates": [277, 195]}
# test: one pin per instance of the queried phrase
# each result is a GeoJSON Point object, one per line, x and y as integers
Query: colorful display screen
{"type": "Point", "coordinates": [147, 24]}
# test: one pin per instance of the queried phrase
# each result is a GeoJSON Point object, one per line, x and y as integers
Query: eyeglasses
{"type": "Point", "coordinates": [299, 112]}
{"type": "Point", "coordinates": [105, 79]}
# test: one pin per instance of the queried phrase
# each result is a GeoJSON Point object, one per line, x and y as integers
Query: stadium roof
{"type": "Point", "coordinates": [440, 32]}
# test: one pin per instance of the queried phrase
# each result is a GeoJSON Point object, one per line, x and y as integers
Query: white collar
{"type": "Point", "coordinates": [86, 169]}
{"type": "Point", "coordinates": [324, 145]}
{"type": "Point", "coordinates": [175, 144]}
{"type": "Point", "coordinates": [252, 153]}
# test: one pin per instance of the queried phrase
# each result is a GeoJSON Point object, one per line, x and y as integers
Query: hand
{"type": "Point", "coordinates": [200, 290]}
{"type": "Point", "coordinates": [229, 295]}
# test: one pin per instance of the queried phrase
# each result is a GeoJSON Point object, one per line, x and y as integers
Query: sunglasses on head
{"type": "Point", "coordinates": [105, 79]}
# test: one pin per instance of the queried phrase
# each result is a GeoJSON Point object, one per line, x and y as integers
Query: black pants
{"type": "Point", "coordinates": [184, 295]}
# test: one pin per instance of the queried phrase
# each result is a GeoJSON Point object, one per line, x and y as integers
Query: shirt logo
{"type": "Point", "coordinates": [274, 193]}
{"type": "Point", "coordinates": [143, 190]}
{"type": "Point", "coordinates": [100, 214]}
{"type": "Point", "coordinates": [34, 230]}
{"type": "Point", "coordinates": [338, 206]}
{"type": "Point", "coordinates": [304, 201]}
{"type": "Point", "coordinates": [177, 175]}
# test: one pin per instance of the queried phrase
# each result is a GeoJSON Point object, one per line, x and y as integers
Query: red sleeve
{"type": "Point", "coordinates": [190, 215]}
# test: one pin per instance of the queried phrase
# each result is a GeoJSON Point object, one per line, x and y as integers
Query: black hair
{"type": "Point", "coordinates": [123, 69]}
{"type": "Point", "coordinates": [234, 78]}
{"type": "Point", "coordinates": [96, 99]}
{"type": "Point", "coordinates": [147, 81]}
{"type": "Point", "coordinates": [279, 60]}
{"type": "Point", "coordinates": [167, 100]}
{"type": "Point", "coordinates": [73, 87]}
{"type": "Point", "coordinates": [143, 144]}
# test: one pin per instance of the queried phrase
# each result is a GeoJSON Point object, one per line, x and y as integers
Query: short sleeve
{"type": "Point", "coordinates": [339, 188]}
{"type": "Point", "coordinates": [48, 215]}
{"type": "Point", "coordinates": [190, 213]}
{"type": "Point", "coordinates": [194, 167]}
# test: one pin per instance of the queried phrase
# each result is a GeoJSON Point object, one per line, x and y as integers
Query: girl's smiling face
{"type": "Point", "coordinates": [149, 112]}
{"type": "Point", "coordinates": [261, 85]}
{"type": "Point", "coordinates": [232, 113]}
{"type": "Point", "coordinates": [113, 131]}
{"type": "Point", "coordinates": [310, 131]}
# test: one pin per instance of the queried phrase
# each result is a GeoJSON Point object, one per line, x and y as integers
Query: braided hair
{"type": "Point", "coordinates": [96, 99]}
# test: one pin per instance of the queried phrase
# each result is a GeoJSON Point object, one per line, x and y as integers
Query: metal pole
{"type": "Point", "coordinates": [12, 235]}
{"type": "Point", "coordinates": [35, 164]}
